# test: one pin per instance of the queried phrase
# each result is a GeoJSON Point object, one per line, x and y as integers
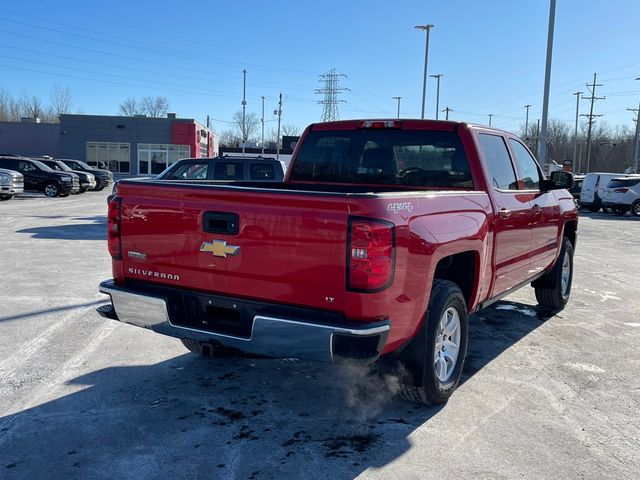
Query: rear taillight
{"type": "Point", "coordinates": [113, 228]}
{"type": "Point", "coordinates": [620, 190]}
{"type": "Point", "coordinates": [371, 255]}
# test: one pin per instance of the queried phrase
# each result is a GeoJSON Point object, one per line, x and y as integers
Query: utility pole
{"type": "Point", "coordinates": [637, 143]}
{"type": "Point", "coordinates": [538, 136]}
{"type": "Point", "coordinates": [447, 110]}
{"type": "Point", "coordinates": [437, 77]}
{"type": "Point", "coordinates": [426, 28]}
{"type": "Point", "coordinates": [526, 121]}
{"type": "Point", "coordinates": [576, 160]}
{"type": "Point", "coordinates": [208, 136]}
{"type": "Point", "coordinates": [262, 122]}
{"type": "Point", "coordinates": [244, 108]}
{"type": "Point", "coordinates": [398, 99]}
{"type": "Point", "coordinates": [279, 113]}
{"type": "Point", "coordinates": [490, 117]}
{"type": "Point", "coordinates": [542, 145]}
{"type": "Point", "coordinates": [591, 116]}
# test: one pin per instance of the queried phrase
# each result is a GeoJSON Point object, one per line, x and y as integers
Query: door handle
{"type": "Point", "coordinates": [505, 213]}
{"type": "Point", "coordinates": [536, 209]}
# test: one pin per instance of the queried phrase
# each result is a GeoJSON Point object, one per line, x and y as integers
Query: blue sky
{"type": "Point", "coordinates": [491, 54]}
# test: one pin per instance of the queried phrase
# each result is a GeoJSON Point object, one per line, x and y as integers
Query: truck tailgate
{"type": "Point", "coordinates": [290, 247]}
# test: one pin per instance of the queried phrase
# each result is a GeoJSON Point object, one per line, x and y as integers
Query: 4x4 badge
{"type": "Point", "coordinates": [219, 248]}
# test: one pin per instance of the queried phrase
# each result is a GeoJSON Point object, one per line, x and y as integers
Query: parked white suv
{"type": "Point", "coordinates": [623, 194]}
{"type": "Point", "coordinates": [593, 189]}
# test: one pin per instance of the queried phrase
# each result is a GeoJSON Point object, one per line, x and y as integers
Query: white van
{"type": "Point", "coordinates": [593, 189]}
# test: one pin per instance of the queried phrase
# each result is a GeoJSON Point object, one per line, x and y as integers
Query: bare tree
{"type": "Point", "coordinates": [230, 138]}
{"type": "Point", "coordinates": [60, 102]}
{"type": "Point", "coordinates": [31, 106]}
{"type": "Point", "coordinates": [154, 106]}
{"type": "Point", "coordinates": [5, 101]}
{"type": "Point", "coordinates": [129, 108]}
{"type": "Point", "coordinates": [249, 127]}
{"type": "Point", "coordinates": [290, 130]}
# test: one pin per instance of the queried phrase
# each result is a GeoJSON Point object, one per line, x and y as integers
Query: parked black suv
{"type": "Point", "coordinates": [239, 169]}
{"type": "Point", "coordinates": [87, 180]}
{"type": "Point", "coordinates": [37, 176]}
{"type": "Point", "coordinates": [104, 178]}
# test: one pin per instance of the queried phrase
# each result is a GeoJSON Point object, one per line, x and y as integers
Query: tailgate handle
{"type": "Point", "coordinates": [221, 222]}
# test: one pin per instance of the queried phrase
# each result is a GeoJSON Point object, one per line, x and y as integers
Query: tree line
{"type": "Point", "coordinates": [251, 130]}
{"type": "Point", "coordinates": [13, 108]}
{"type": "Point", "coordinates": [612, 147]}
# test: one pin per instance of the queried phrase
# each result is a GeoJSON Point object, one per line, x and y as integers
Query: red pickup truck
{"type": "Point", "coordinates": [384, 236]}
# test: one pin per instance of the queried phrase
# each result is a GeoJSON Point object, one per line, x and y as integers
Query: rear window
{"type": "Point", "coordinates": [262, 171]}
{"type": "Point", "coordinates": [627, 182]}
{"type": "Point", "coordinates": [386, 157]}
{"type": "Point", "coordinates": [229, 171]}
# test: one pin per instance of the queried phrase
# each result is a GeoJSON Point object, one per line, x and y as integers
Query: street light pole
{"type": "Point", "coordinates": [542, 146]}
{"type": "Point", "coordinates": [437, 77]}
{"type": "Point", "coordinates": [244, 107]}
{"type": "Point", "coordinates": [262, 121]}
{"type": "Point", "coordinates": [426, 28]}
{"type": "Point", "coordinates": [490, 117]}
{"type": "Point", "coordinates": [637, 142]}
{"type": "Point", "coordinates": [398, 99]}
{"type": "Point", "coordinates": [526, 121]}
{"type": "Point", "coordinates": [576, 160]}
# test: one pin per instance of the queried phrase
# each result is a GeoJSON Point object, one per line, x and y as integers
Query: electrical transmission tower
{"type": "Point", "coordinates": [331, 90]}
{"type": "Point", "coordinates": [591, 116]}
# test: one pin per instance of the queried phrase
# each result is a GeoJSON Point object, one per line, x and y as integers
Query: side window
{"type": "Point", "coordinates": [229, 171]}
{"type": "Point", "coordinates": [262, 171]}
{"type": "Point", "coordinates": [528, 166]}
{"type": "Point", "coordinates": [26, 167]}
{"type": "Point", "coordinates": [190, 171]}
{"type": "Point", "coordinates": [501, 173]}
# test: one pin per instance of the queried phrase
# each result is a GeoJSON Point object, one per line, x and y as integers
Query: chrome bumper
{"type": "Point", "coordinates": [270, 336]}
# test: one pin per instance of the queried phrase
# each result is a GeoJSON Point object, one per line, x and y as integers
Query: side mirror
{"type": "Point", "coordinates": [558, 181]}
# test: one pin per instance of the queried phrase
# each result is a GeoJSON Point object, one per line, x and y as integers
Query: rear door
{"type": "Point", "coordinates": [512, 220]}
{"type": "Point", "coordinates": [254, 243]}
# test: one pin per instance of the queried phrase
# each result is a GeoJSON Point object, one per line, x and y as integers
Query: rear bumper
{"type": "Point", "coordinates": [272, 330]}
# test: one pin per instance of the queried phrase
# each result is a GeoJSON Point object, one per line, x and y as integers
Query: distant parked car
{"type": "Point", "coordinates": [11, 184]}
{"type": "Point", "coordinates": [39, 177]}
{"type": "Point", "coordinates": [623, 194]}
{"type": "Point", "coordinates": [239, 169]}
{"type": "Point", "coordinates": [87, 180]}
{"type": "Point", "coordinates": [593, 189]}
{"type": "Point", "coordinates": [104, 178]}
{"type": "Point", "coordinates": [575, 190]}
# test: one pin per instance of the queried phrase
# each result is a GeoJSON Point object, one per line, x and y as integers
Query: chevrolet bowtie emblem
{"type": "Point", "coordinates": [219, 248]}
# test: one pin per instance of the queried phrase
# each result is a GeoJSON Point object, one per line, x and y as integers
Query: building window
{"type": "Point", "coordinates": [154, 158]}
{"type": "Point", "coordinates": [112, 155]}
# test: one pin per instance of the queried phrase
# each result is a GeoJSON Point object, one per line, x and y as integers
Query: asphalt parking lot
{"type": "Point", "coordinates": [84, 397]}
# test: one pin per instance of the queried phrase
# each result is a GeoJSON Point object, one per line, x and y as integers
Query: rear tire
{"type": "Point", "coordinates": [553, 290]}
{"type": "Point", "coordinates": [635, 208]}
{"type": "Point", "coordinates": [435, 359]}
{"type": "Point", "coordinates": [205, 349]}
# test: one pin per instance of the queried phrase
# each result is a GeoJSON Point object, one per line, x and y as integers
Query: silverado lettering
{"type": "Point", "coordinates": [381, 240]}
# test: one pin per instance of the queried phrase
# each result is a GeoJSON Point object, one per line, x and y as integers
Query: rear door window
{"type": "Point", "coordinates": [501, 173]}
{"type": "Point", "coordinates": [229, 171]}
{"type": "Point", "coordinates": [528, 167]}
{"type": "Point", "coordinates": [190, 171]}
{"type": "Point", "coordinates": [262, 171]}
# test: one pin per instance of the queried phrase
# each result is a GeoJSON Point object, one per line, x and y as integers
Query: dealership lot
{"type": "Point", "coordinates": [84, 397]}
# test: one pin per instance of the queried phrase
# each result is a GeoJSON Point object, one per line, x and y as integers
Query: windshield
{"type": "Point", "coordinates": [63, 166]}
{"type": "Point", "coordinates": [42, 166]}
{"type": "Point", "coordinates": [383, 157]}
